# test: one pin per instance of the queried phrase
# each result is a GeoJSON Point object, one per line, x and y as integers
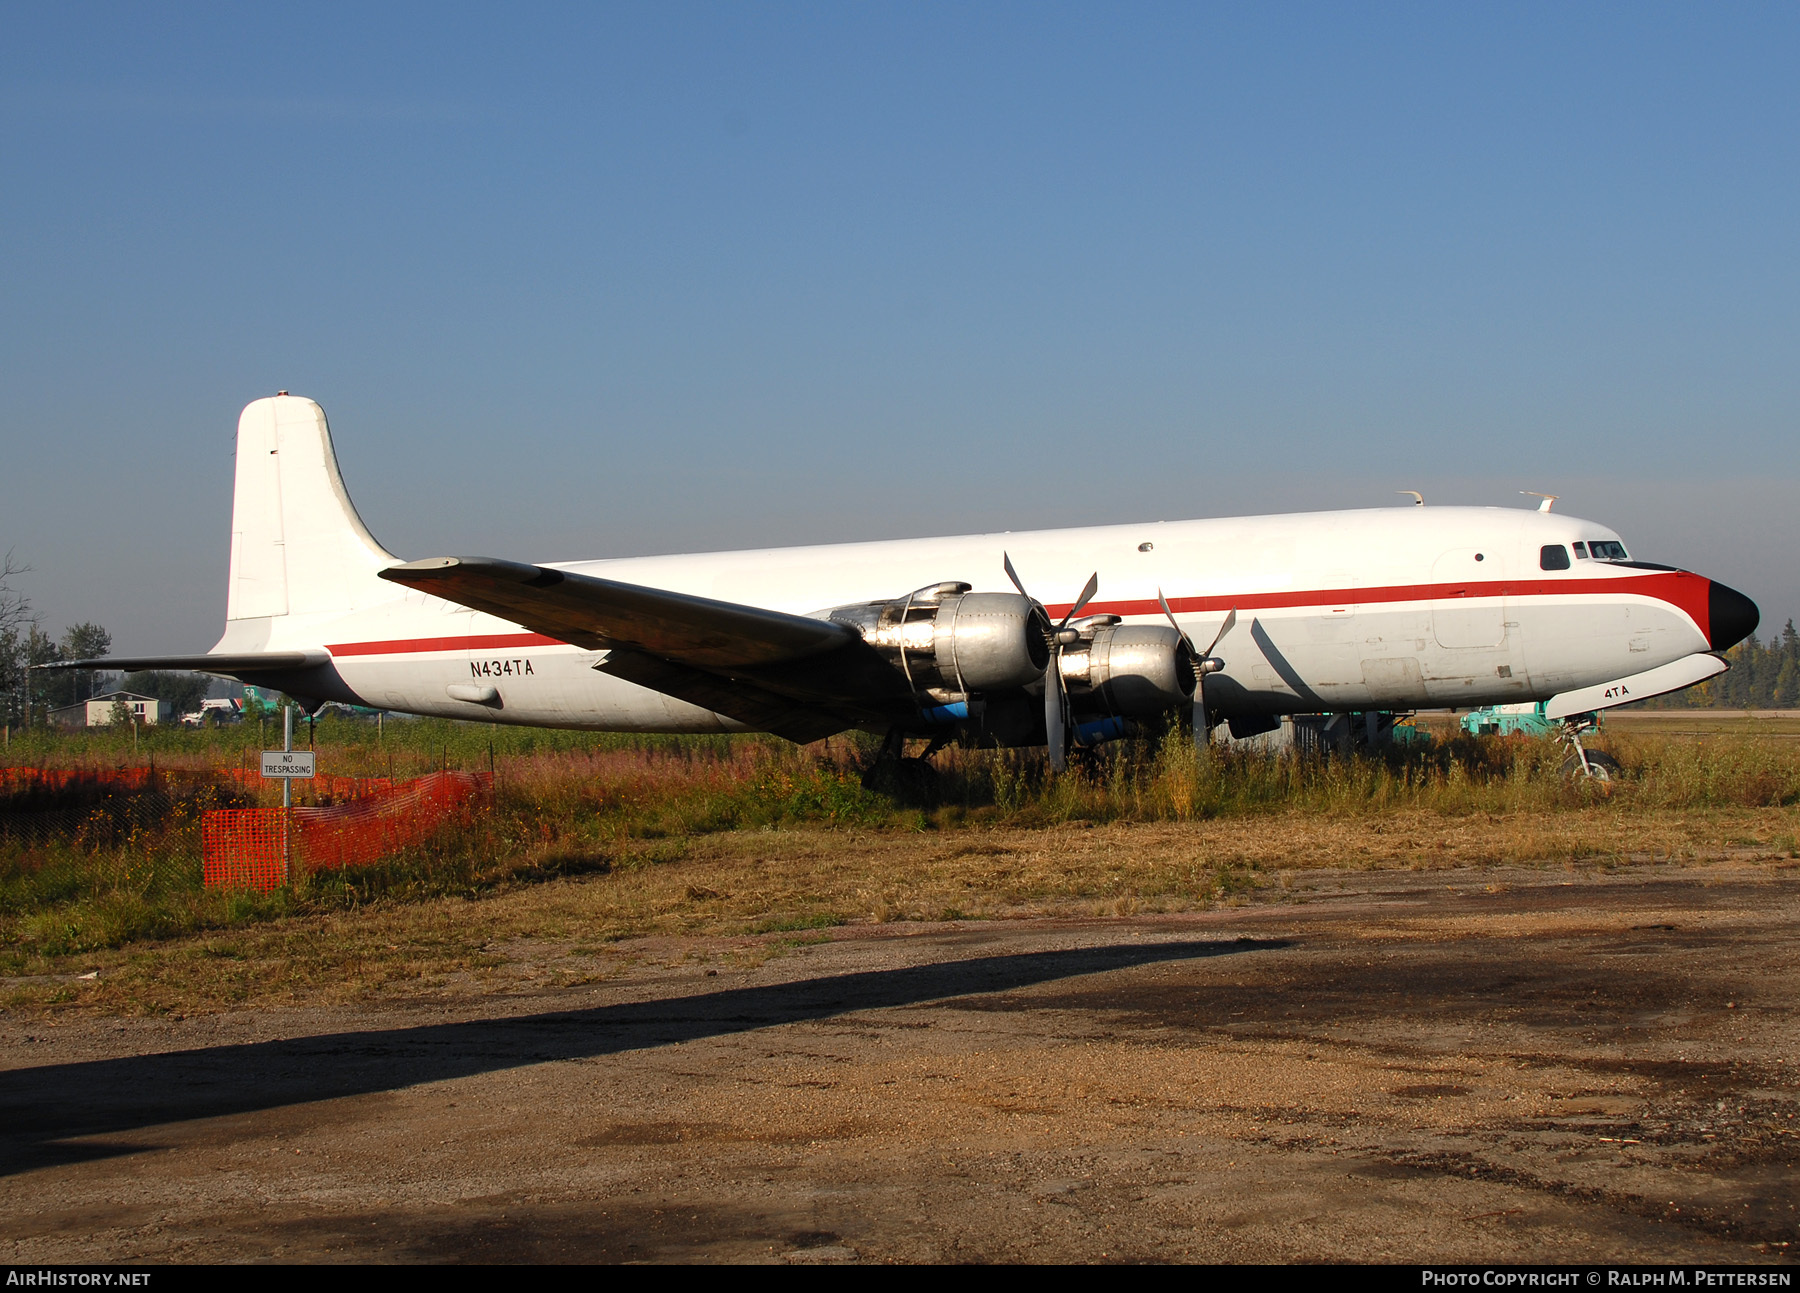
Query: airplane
{"type": "Point", "coordinates": [1093, 633]}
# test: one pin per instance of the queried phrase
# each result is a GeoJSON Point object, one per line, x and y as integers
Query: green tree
{"type": "Point", "coordinates": [15, 619]}
{"type": "Point", "coordinates": [1748, 672]}
{"type": "Point", "coordinates": [83, 642]}
{"type": "Point", "coordinates": [41, 688]}
{"type": "Point", "coordinates": [1787, 669]}
{"type": "Point", "coordinates": [13, 690]}
{"type": "Point", "coordinates": [183, 691]}
{"type": "Point", "coordinates": [1787, 685]}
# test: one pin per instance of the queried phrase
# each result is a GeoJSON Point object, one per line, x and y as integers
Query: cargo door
{"type": "Point", "coordinates": [1465, 614]}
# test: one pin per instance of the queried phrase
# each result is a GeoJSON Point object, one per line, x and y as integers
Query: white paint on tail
{"type": "Point", "coordinates": [297, 545]}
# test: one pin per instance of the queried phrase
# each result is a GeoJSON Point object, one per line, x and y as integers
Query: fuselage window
{"type": "Point", "coordinates": [1553, 556]}
{"type": "Point", "coordinates": [1580, 551]}
{"type": "Point", "coordinates": [1607, 550]}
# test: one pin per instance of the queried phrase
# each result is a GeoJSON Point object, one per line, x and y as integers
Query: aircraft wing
{"type": "Point", "coordinates": [602, 613]}
{"type": "Point", "coordinates": [801, 678]}
{"type": "Point", "coordinates": [765, 710]}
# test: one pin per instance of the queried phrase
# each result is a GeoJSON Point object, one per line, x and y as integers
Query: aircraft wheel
{"type": "Point", "coordinates": [1602, 767]}
{"type": "Point", "coordinates": [919, 781]}
{"type": "Point", "coordinates": [908, 781]}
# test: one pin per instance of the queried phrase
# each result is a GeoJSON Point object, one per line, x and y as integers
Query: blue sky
{"type": "Point", "coordinates": [603, 280]}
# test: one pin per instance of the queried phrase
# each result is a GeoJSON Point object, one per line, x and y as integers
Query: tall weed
{"type": "Point", "coordinates": [567, 802]}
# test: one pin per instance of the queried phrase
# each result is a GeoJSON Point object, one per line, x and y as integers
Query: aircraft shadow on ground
{"type": "Point", "coordinates": [40, 1107]}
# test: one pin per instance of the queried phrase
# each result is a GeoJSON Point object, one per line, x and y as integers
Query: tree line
{"type": "Point", "coordinates": [28, 696]}
{"type": "Point", "coordinates": [1763, 675]}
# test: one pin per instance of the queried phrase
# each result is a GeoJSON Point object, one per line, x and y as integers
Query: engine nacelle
{"type": "Point", "coordinates": [1134, 670]}
{"type": "Point", "coordinates": [949, 642]}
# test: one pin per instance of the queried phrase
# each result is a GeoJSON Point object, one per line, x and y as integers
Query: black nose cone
{"type": "Point", "coordinates": [1732, 616]}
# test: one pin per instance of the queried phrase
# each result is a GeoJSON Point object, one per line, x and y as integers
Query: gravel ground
{"type": "Point", "coordinates": [1488, 1065]}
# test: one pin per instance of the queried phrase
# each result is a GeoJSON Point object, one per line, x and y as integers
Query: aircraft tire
{"type": "Point", "coordinates": [1603, 767]}
{"type": "Point", "coordinates": [913, 782]}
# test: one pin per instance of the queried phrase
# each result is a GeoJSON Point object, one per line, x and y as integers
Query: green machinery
{"type": "Point", "coordinates": [1521, 720]}
{"type": "Point", "coordinates": [1529, 720]}
{"type": "Point", "coordinates": [1510, 720]}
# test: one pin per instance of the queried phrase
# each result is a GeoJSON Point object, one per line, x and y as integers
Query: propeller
{"type": "Point", "coordinates": [1204, 663]}
{"type": "Point", "coordinates": [1056, 700]}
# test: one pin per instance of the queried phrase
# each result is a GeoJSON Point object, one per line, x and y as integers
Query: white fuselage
{"type": "Point", "coordinates": [1393, 608]}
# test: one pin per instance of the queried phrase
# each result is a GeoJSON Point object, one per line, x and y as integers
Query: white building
{"type": "Point", "coordinates": [98, 711]}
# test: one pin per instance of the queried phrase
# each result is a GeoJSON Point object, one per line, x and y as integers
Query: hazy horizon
{"type": "Point", "coordinates": [600, 280]}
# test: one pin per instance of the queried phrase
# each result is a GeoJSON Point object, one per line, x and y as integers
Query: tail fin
{"type": "Point", "coordinates": [297, 545]}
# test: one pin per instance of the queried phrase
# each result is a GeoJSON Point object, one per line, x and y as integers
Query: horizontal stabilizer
{"type": "Point", "coordinates": [1684, 672]}
{"type": "Point", "coordinates": [231, 665]}
{"type": "Point", "coordinates": [601, 614]}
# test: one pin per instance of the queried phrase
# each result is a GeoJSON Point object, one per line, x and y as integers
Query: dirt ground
{"type": "Point", "coordinates": [1456, 1065]}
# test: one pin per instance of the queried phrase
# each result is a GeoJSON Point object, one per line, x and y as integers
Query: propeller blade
{"type": "Point", "coordinates": [1056, 726]}
{"type": "Point", "coordinates": [1202, 728]}
{"type": "Point", "coordinates": [1087, 595]}
{"type": "Point", "coordinates": [1230, 620]}
{"type": "Point", "coordinates": [1226, 627]}
{"type": "Point", "coordinates": [1013, 575]}
{"type": "Point", "coordinates": [1170, 616]}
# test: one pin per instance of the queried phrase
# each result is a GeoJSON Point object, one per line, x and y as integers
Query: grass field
{"type": "Point", "coordinates": [620, 837]}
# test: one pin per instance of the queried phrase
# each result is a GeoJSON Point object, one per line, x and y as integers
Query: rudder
{"type": "Point", "coordinates": [297, 545]}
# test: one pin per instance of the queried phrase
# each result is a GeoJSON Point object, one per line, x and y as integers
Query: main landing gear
{"type": "Point", "coordinates": [909, 781]}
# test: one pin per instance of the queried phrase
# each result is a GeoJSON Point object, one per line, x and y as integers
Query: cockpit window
{"type": "Point", "coordinates": [1553, 556]}
{"type": "Point", "coordinates": [1607, 550]}
{"type": "Point", "coordinates": [1580, 551]}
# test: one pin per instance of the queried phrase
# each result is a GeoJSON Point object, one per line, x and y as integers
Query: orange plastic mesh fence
{"type": "Point", "coordinates": [251, 847]}
{"type": "Point", "coordinates": [324, 784]}
{"type": "Point", "coordinates": [15, 780]}
{"type": "Point", "coordinates": [242, 848]}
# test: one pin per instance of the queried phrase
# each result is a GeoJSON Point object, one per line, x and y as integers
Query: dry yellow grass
{"type": "Point", "coordinates": [756, 892]}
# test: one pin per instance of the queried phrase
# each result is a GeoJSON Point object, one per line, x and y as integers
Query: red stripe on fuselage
{"type": "Point", "coordinates": [1685, 592]}
{"type": "Point", "coordinates": [407, 646]}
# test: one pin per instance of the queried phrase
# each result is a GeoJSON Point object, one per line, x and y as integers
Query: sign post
{"type": "Point", "coordinates": [286, 765]}
{"type": "Point", "coordinates": [287, 796]}
{"type": "Point", "coordinates": [287, 784]}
